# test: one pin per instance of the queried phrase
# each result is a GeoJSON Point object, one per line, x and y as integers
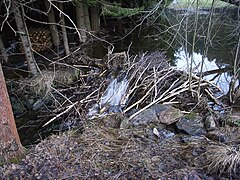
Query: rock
{"type": "Point", "coordinates": [159, 114]}
{"type": "Point", "coordinates": [167, 134]}
{"type": "Point", "coordinates": [217, 136]}
{"type": "Point", "coordinates": [144, 118]}
{"type": "Point", "coordinates": [189, 139]}
{"type": "Point", "coordinates": [162, 133]}
{"type": "Point", "coordinates": [124, 123]}
{"type": "Point", "coordinates": [210, 123]}
{"type": "Point", "coordinates": [232, 119]}
{"type": "Point", "coordinates": [42, 84]}
{"type": "Point", "coordinates": [167, 114]}
{"type": "Point", "coordinates": [112, 120]}
{"type": "Point", "coordinates": [192, 125]}
{"type": "Point", "coordinates": [228, 135]}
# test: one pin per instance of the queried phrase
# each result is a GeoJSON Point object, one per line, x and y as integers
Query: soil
{"type": "Point", "coordinates": [102, 152]}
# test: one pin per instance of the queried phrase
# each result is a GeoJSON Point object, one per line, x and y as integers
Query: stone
{"type": "Point", "coordinates": [162, 133]}
{"type": "Point", "coordinates": [144, 118]}
{"type": "Point", "coordinates": [232, 119]}
{"type": "Point", "coordinates": [112, 120]}
{"type": "Point", "coordinates": [160, 115]}
{"type": "Point", "coordinates": [191, 125]}
{"type": "Point", "coordinates": [217, 136]}
{"type": "Point", "coordinates": [167, 114]}
{"type": "Point", "coordinates": [210, 123]}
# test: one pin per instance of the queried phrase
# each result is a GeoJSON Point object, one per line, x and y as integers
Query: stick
{"type": "Point", "coordinates": [53, 119]}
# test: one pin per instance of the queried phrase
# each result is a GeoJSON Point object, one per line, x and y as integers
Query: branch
{"type": "Point", "coordinates": [53, 119]}
{"type": "Point", "coordinates": [234, 2]}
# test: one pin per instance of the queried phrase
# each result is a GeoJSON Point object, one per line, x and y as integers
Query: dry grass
{"type": "Point", "coordinates": [101, 152]}
{"type": "Point", "coordinates": [223, 159]}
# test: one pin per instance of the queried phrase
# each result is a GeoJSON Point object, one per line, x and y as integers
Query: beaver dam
{"type": "Point", "coordinates": [126, 117]}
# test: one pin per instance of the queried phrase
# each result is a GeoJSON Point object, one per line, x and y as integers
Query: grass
{"type": "Point", "coordinates": [223, 159]}
{"type": "Point", "coordinates": [180, 4]}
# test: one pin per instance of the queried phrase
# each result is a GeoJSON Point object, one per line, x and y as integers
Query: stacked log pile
{"type": "Point", "coordinates": [40, 39]}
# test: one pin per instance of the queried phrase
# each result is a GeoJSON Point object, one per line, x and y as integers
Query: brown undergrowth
{"type": "Point", "coordinates": [223, 159]}
{"type": "Point", "coordinates": [108, 153]}
{"type": "Point", "coordinates": [103, 152]}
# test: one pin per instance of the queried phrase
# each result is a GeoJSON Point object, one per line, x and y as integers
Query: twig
{"type": "Point", "coordinates": [57, 116]}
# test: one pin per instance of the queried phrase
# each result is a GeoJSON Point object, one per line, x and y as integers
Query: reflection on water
{"type": "Point", "coordinates": [182, 62]}
{"type": "Point", "coordinates": [173, 32]}
{"type": "Point", "coordinates": [220, 49]}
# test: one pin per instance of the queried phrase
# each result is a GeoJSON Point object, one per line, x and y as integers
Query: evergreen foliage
{"type": "Point", "coordinates": [92, 2]}
{"type": "Point", "coordinates": [115, 10]}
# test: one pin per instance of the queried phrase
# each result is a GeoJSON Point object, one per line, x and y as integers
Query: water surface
{"type": "Point", "coordinates": [173, 32]}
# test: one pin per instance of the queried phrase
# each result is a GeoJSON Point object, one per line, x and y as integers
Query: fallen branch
{"type": "Point", "coordinates": [217, 71]}
{"type": "Point", "coordinates": [53, 119]}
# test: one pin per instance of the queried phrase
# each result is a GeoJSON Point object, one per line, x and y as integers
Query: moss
{"type": "Point", "coordinates": [191, 115]}
{"type": "Point", "coordinates": [237, 123]}
{"type": "Point", "coordinates": [1, 162]}
{"type": "Point", "coordinates": [116, 11]}
{"type": "Point", "coordinates": [14, 160]}
{"type": "Point", "coordinates": [92, 2]}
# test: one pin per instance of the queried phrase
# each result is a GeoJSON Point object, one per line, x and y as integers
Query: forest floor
{"type": "Point", "coordinates": [101, 152]}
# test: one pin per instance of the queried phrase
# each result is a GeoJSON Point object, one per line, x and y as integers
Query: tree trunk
{"type": "Point", "coordinates": [64, 32]}
{"type": "Point", "coordinates": [24, 36]}
{"type": "Point", "coordinates": [80, 20]}
{"type": "Point", "coordinates": [53, 27]}
{"type": "Point", "coordinates": [10, 145]}
{"type": "Point", "coordinates": [3, 50]}
{"type": "Point", "coordinates": [86, 16]}
{"type": "Point", "coordinates": [95, 18]}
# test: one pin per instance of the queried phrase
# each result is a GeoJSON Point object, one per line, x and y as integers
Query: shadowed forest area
{"type": "Point", "coordinates": [116, 89]}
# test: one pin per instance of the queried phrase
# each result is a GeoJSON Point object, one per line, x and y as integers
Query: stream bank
{"type": "Point", "coordinates": [147, 151]}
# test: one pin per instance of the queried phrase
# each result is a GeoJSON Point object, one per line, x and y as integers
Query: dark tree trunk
{"type": "Point", "coordinates": [86, 16]}
{"type": "Point", "coordinates": [64, 32]}
{"type": "Point", "coordinates": [10, 145]}
{"type": "Point", "coordinates": [24, 36]}
{"type": "Point", "coordinates": [95, 18]}
{"type": "Point", "coordinates": [53, 27]}
{"type": "Point", "coordinates": [80, 20]}
{"type": "Point", "coordinates": [3, 50]}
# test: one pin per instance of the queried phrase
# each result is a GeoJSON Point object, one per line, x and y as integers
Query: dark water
{"type": "Point", "coordinates": [173, 33]}
{"type": "Point", "coordinates": [223, 36]}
